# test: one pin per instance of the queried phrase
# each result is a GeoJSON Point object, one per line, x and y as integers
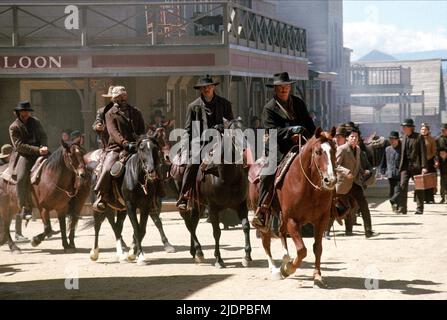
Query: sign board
{"type": "Point", "coordinates": [38, 62]}
{"type": "Point", "coordinates": [371, 101]}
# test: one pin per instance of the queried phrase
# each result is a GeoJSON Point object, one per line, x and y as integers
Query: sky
{"type": "Point", "coordinates": [394, 26]}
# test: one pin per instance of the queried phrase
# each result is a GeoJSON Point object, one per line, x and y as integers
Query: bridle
{"type": "Point", "coordinates": [69, 164]}
{"type": "Point", "coordinates": [312, 161]}
{"type": "Point", "coordinates": [149, 176]}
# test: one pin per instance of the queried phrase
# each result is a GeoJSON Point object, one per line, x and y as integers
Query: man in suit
{"type": "Point", "coordinates": [288, 115]}
{"type": "Point", "coordinates": [348, 156]}
{"type": "Point", "coordinates": [390, 168]}
{"type": "Point", "coordinates": [209, 110]}
{"type": "Point", "coordinates": [413, 162]}
{"type": "Point", "coordinates": [30, 141]}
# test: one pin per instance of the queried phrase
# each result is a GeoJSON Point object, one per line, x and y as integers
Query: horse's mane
{"type": "Point", "coordinates": [55, 159]}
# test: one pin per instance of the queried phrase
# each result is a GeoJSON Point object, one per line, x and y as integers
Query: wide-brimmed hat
{"type": "Point", "coordinates": [394, 135]}
{"type": "Point", "coordinates": [6, 151]}
{"type": "Point", "coordinates": [341, 131]}
{"type": "Point", "coordinates": [117, 91]}
{"type": "Point", "coordinates": [23, 106]}
{"type": "Point", "coordinates": [279, 79]}
{"type": "Point", "coordinates": [109, 93]}
{"type": "Point", "coordinates": [407, 123]}
{"type": "Point", "coordinates": [205, 81]}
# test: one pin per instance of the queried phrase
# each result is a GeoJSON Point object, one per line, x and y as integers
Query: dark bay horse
{"type": "Point", "coordinates": [92, 159]}
{"type": "Point", "coordinates": [227, 190]}
{"type": "Point", "coordinates": [305, 196]}
{"type": "Point", "coordinates": [61, 180]}
{"type": "Point", "coordinates": [139, 189]}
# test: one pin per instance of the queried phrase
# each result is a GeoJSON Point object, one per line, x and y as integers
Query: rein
{"type": "Point", "coordinates": [312, 162]}
{"type": "Point", "coordinates": [77, 184]}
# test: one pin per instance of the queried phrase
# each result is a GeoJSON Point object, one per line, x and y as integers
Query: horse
{"type": "Point", "coordinates": [227, 190]}
{"type": "Point", "coordinates": [8, 209]}
{"type": "Point", "coordinates": [61, 179]}
{"type": "Point", "coordinates": [304, 196]}
{"type": "Point", "coordinates": [139, 191]}
{"type": "Point", "coordinates": [92, 159]}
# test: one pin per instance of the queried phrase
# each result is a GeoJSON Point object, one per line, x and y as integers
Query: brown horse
{"type": "Point", "coordinates": [61, 187]}
{"type": "Point", "coordinates": [304, 196]}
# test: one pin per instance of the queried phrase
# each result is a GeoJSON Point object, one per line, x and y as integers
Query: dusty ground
{"type": "Point", "coordinates": [408, 258]}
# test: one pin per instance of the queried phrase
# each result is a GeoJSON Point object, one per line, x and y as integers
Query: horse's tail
{"type": "Point", "coordinates": [89, 223]}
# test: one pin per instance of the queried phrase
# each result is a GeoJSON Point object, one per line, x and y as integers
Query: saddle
{"type": "Point", "coordinates": [35, 172]}
{"type": "Point", "coordinates": [284, 165]}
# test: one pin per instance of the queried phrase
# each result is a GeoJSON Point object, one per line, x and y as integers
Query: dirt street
{"type": "Point", "coordinates": [406, 261]}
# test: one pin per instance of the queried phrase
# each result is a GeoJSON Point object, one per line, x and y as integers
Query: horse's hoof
{"type": "Point", "coordinates": [169, 248]}
{"type": "Point", "coordinates": [141, 261]}
{"type": "Point", "coordinates": [35, 242]}
{"type": "Point", "coordinates": [199, 258]}
{"type": "Point", "coordinates": [285, 271]}
{"type": "Point", "coordinates": [94, 254]}
{"type": "Point", "coordinates": [245, 262]}
{"type": "Point", "coordinates": [219, 264]}
{"type": "Point", "coordinates": [319, 282]}
{"type": "Point", "coordinates": [130, 257]}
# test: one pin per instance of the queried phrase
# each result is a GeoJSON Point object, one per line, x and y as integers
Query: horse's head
{"type": "Point", "coordinates": [74, 158]}
{"type": "Point", "coordinates": [323, 156]}
{"type": "Point", "coordinates": [147, 156]}
{"type": "Point", "coordinates": [234, 130]}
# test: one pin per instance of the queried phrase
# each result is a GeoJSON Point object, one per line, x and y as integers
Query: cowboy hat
{"type": "Point", "coordinates": [117, 91]}
{"type": "Point", "coordinates": [394, 135]}
{"type": "Point", "coordinates": [109, 93]}
{"type": "Point", "coordinates": [23, 106]}
{"type": "Point", "coordinates": [407, 123]}
{"type": "Point", "coordinates": [205, 81]}
{"type": "Point", "coordinates": [279, 79]}
{"type": "Point", "coordinates": [6, 151]}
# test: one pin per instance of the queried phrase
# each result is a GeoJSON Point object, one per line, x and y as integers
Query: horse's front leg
{"type": "Point", "coordinates": [243, 216]}
{"type": "Point", "coordinates": [73, 222]}
{"type": "Point", "coordinates": [144, 215]}
{"type": "Point", "coordinates": [136, 248]}
{"type": "Point", "coordinates": [157, 221]}
{"type": "Point", "coordinates": [47, 231]}
{"type": "Point", "coordinates": [294, 230]}
{"type": "Point", "coordinates": [214, 217]}
{"type": "Point", "coordinates": [63, 228]}
{"type": "Point", "coordinates": [191, 221]}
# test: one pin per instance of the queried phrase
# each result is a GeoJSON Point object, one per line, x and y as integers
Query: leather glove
{"type": "Point", "coordinates": [130, 147]}
{"type": "Point", "coordinates": [219, 127]}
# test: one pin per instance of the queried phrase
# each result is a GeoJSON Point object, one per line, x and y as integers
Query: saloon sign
{"type": "Point", "coordinates": [38, 62]}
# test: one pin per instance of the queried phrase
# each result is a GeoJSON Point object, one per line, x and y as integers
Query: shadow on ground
{"type": "Point", "coordinates": [157, 287]}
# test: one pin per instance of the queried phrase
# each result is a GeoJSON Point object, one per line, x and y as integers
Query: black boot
{"type": "Point", "coordinates": [19, 236]}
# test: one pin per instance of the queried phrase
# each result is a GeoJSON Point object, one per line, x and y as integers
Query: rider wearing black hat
{"type": "Point", "coordinates": [209, 110]}
{"type": "Point", "coordinates": [288, 115]}
{"type": "Point", "coordinates": [30, 141]}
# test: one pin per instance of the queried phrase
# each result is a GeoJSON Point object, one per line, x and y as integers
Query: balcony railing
{"type": "Point", "coordinates": [102, 24]}
{"type": "Point", "coordinates": [362, 76]}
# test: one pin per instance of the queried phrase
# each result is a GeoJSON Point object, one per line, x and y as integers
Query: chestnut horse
{"type": "Point", "coordinates": [60, 188]}
{"type": "Point", "coordinates": [304, 196]}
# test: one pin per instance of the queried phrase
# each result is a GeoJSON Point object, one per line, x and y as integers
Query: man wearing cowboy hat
{"type": "Point", "coordinates": [288, 115]}
{"type": "Point", "coordinates": [210, 110]}
{"type": "Point", "coordinates": [30, 141]}
{"type": "Point", "coordinates": [125, 124]}
{"type": "Point", "coordinates": [413, 161]}
{"type": "Point", "coordinates": [390, 168]}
